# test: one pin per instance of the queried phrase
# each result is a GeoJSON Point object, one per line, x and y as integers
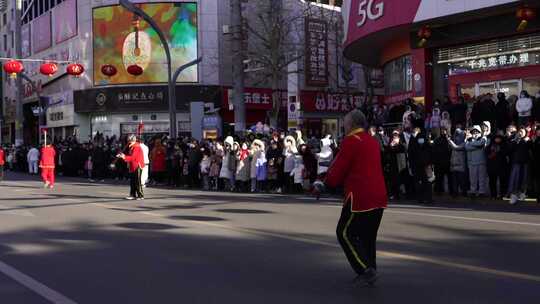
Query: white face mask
{"type": "Point", "coordinates": [421, 141]}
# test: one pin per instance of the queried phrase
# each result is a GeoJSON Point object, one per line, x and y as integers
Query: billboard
{"type": "Point", "coordinates": [115, 40]}
{"type": "Point", "coordinates": [65, 21]}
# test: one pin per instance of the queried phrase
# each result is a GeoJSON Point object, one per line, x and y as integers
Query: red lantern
{"type": "Point", "coordinates": [524, 14]}
{"type": "Point", "coordinates": [108, 70]}
{"type": "Point", "coordinates": [135, 70]}
{"type": "Point", "coordinates": [48, 69]}
{"type": "Point", "coordinates": [424, 33]}
{"type": "Point", "coordinates": [13, 67]}
{"type": "Point", "coordinates": [75, 69]}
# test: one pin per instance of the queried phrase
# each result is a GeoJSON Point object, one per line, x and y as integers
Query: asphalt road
{"type": "Point", "coordinates": [82, 243]}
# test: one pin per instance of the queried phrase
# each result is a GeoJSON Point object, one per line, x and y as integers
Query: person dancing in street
{"type": "Point", "coordinates": [47, 165]}
{"type": "Point", "coordinates": [135, 161]}
{"type": "Point", "coordinates": [358, 167]}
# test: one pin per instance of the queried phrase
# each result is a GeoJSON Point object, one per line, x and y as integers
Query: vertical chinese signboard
{"type": "Point", "coordinates": [316, 53]}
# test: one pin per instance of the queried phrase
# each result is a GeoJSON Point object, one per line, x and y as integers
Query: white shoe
{"type": "Point", "coordinates": [130, 198]}
{"type": "Point", "coordinates": [513, 199]}
{"type": "Point", "coordinates": [522, 196]}
{"type": "Point", "coordinates": [140, 198]}
{"type": "Point", "coordinates": [46, 185]}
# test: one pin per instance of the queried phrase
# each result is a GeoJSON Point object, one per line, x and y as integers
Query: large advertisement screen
{"type": "Point", "coordinates": [115, 42]}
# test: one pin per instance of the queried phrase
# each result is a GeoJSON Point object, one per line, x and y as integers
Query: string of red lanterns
{"type": "Point", "coordinates": [14, 67]}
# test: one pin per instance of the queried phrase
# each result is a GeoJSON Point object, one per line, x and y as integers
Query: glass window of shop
{"type": "Point", "coordinates": [532, 85]}
{"type": "Point", "coordinates": [398, 76]}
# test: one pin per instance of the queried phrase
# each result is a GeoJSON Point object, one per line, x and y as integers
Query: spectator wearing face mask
{"type": "Point", "coordinates": [476, 158]}
{"type": "Point", "coordinates": [458, 163]}
{"type": "Point", "coordinates": [536, 163]}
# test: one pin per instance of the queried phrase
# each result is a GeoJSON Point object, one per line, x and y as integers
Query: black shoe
{"type": "Point", "coordinates": [370, 276]}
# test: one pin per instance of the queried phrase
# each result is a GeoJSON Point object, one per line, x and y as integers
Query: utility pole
{"type": "Point", "coordinates": [19, 116]}
{"type": "Point", "coordinates": [238, 37]}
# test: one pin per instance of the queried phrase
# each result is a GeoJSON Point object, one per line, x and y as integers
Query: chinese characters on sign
{"type": "Point", "coordinates": [255, 98]}
{"type": "Point", "coordinates": [139, 97]}
{"type": "Point", "coordinates": [316, 53]}
{"type": "Point", "coordinates": [313, 101]}
{"type": "Point", "coordinates": [499, 61]}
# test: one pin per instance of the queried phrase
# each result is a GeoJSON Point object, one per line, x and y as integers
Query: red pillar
{"type": "Point", "coordinates": [422, 76]}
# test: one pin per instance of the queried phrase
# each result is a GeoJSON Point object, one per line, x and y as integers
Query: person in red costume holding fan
{"type": "Point", "coordinates": [358, 168]}
{"type": "Point", "coordinates": [135, 161]}
{"type": "Point", "coordinates": [47, 164]}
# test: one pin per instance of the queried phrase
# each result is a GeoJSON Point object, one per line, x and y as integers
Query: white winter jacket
{"type": "Point", "coordinates": [524, 107]}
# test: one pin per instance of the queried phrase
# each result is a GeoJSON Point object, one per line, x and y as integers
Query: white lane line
{"type": "Point", "coordinates": [37, 287]}
{"type": "Point", "coordinates": [388, 254]}
{"type": "Point", "coordinates": [474, 219]}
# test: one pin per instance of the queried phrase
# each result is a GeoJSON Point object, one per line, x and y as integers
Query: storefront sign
{"type": "Point", "coordinates": [313, 101]}
{"type": "Point", "coordinates": [368, 10]}
{"type": "Point", "coordinates": [498, 61]}
{"type": "Point", "coordinates": [142, 98]}
{"type": "Point", "coordinates": [254, 98]}
{"type": "Point", "coordinates": [293, 113]}
{"type": "Point", "coordinates": [60, 116]}
{"type": "Point", "coordinates": [316, 52]}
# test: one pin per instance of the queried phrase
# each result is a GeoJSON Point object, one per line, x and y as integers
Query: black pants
{"type": "Point", "coordinates": [357, 235]}
{"type": "Point", "coordinates": [424, 190]}
{"type": "Point", "coordinates": [1, 173]}
{"type": "Point", "coordinates": [406, 179]}
{"type": "Point", "coordinates": [459, 183]}
{"type": "Point", "coordinates": [440, 173]}
{"type": "Point", "coordinates": [136, 189]}
{"type": "Point", "coordinates": [502, 177]}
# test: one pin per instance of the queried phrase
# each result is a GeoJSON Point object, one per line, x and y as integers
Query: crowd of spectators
{"type": "Point", "coordinates": [488, 147]}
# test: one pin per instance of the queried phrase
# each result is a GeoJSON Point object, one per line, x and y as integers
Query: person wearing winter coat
{"type": "Point", "coordinates": [396, 162]}
{"type": "Point", "coordinates": [520, 147]}
{"type": "Point", "coordinates": [289, 154]}
{"type": "Point", "coordinates": [503, 112]}
{"type": "Point", "coordinates": [420, 158]}
{"type": "Point", "coordinates": [446, 122]}
{"type": "Point", "coordinates": [157, 161]}
{"type": "Point", "coordinates": [242, 168]}
{"type": "Point", "coordinates": [524, 108]}
{"type": "Point", "coordinates": [258, 164]}
{"type": "Point", "coordinates": [324, 158]}
{"type": "Point", "coordinates": [298, 174]}
{"type": "Point", "coordinates": [275, 159]}
{"type": "Point", "coordinates": [435, 122]}
{"type": "Point", "coordinates": [497, 166]}
{"type": "Point", "coordinates": [475, 146]}
{"type": "Point", "coordinates": [458, 164]}
{"type": "Point", "coordinates": [442, 153]}
{"type": "Point", "coordinates": [459, 112]}
{"type": "Point", "coordinates": [215, 166]}
{"type": "Point", "coordinates": [33, 159]}
{"type": "Point", "coordinates": [226, 174]}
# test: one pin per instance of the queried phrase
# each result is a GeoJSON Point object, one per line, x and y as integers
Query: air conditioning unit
{"type": "Point", "coordinates": [226, 29]}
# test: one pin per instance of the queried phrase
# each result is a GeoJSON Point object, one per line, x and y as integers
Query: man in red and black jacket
{"type": "Point", "coordinates": [358, 168]}
{"type": "Point", "coordinates": [135, 162]}
{"type": "Point", "coordinates": [2, 163]}
{"type": "Point", "coordinates": [47, 164]}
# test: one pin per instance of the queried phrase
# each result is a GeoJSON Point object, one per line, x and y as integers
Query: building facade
{"type": "Point", "coordinates": [471, 47]}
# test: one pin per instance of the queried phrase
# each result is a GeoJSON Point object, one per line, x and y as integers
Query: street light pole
{"type": "Point", "coordinates": [171, 80]}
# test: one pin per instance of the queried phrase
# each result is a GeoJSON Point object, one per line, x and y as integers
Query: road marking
{"type": "Point", "coordinates": [35, 286]}
{"type": "Point", "coordinates": [388, 254]}
{"type": "Point", "coordinates": [475, 219]}
{"type": "Point", "coordinates": [5, 210]}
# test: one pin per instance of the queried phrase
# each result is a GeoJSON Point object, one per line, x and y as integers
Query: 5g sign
{"type": "Point", "coordinates": [367, 10]}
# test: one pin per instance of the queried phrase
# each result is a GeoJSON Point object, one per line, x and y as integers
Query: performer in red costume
{"type": "Point", "coordinates": [358, 167]}
{"type": "Point", "coordinates": [135, 161]}
{"type": "Point", "coordinates": [2, 163]}
{"type": "Point", "coordinates": [47, 165]}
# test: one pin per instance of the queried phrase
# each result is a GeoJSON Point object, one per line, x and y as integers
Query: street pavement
{"type": "Point", "coordinates": [83, 243]}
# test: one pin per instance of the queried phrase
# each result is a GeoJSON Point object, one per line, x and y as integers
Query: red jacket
{"type": "Point", "coordinates": [358, 167]}
{"type": "Point", "coordinates": [135, 159]}
{"type": "Point", "coordinates": [47, 157]}
{"type": "Point", "coordinates": [158, 159]}
{"type": "Point", "coordinates": [2, 157]}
